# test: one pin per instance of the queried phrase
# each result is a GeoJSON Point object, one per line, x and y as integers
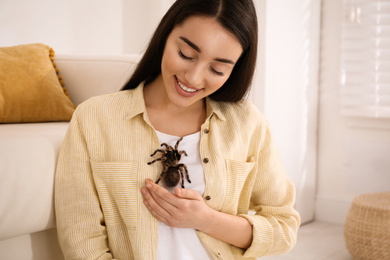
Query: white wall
{"type": "Point", "coordinates": [140, 19]}
{"type": "Point", "coordinates": [353, 154]}
{"type": "Point", "coordinates": [71, 26]}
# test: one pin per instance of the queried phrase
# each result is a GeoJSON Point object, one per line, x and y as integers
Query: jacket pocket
{"type": "Point", "coordinates": [239, 182]}
{"type": "Point", "coordinates": [116, 184]}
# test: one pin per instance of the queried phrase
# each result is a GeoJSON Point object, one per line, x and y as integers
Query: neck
{"type": "Point", "coordinates": [156, 98]}
{"type": "Point", "coordinates": [169, 118]}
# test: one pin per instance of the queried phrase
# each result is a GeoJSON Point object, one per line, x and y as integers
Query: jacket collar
{"type": "Point", "coordinates": [137, 105]}
{"type": "Point", "coordinates": [214, 107]}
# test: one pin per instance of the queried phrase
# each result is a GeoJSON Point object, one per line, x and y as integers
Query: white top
{"type": "Point", "coordinates": [183, 243]}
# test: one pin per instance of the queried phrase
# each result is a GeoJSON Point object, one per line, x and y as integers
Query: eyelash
{"type": "Point", "coordinates": [184, 56]}
{"type": "Point", "coordinates": [190, 59]}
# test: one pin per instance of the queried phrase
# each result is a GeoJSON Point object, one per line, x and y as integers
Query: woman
{"type": "Point", "coordinates": [185, 99]}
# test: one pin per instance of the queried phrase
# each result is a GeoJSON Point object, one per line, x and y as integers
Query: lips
{"type": "Point", "coordinates": [185, 90]}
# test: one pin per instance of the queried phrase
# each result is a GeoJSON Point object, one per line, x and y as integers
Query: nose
{"type": "Point", "coordinates": [195, 75]}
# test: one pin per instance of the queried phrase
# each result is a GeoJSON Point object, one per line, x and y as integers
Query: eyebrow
{"type": "Point", "coordinates": [196, 48]}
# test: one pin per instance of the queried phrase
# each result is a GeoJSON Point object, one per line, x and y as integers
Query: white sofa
{"type": "Point", "coordinates": [28, 156]}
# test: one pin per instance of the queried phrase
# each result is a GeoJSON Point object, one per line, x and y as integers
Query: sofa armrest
{"type": "Point", "coordinates": [28, 159]}
{"type": "Point", "coordinates": [88, 76]}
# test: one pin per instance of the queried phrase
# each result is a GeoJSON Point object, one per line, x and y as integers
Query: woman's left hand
{"type": "Point", "coordinates": [184, 209]}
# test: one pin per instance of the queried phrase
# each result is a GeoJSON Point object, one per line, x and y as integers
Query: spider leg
{"type": "Point", "coordinates": [162, 174]}
{"type": "Point", "coordinates": [183, 152]}
{"type": "Point", "coordinates": [158, 159]}
{"type": "Point", "coordinates": [158, 150]}
{"type": "Point", "coordinates": [182, 178]}
{"type": "Point", "coordinates": [177, 143]}
{"type": "Point", "coordinates": [182, 168]}
{"type": "Point", "coordinates": [164, 144]}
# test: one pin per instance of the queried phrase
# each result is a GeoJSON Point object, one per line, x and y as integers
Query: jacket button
{"type": "Point", "coordinates": [206, 160]}
{"type": "Point", "coordinates": [208, 198]}
{"type": "Point", "coordinates": [206, 131]}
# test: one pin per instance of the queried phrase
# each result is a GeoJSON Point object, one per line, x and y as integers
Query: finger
{"type": "Point", "coordinates": [155, 213]}
{"type": "Point", "coordinates": [156, 210]}
{"type": "Point", "coordinates": [161, 203]}
{"type": "Point", "coordinates": [163, 197]}
{"type": "Point", "coordinates": [151, 202]}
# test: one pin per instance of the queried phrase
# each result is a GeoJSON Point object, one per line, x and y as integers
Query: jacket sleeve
{"type": "Point", "coordinates": [80, 224]}
{"type": "Point", "coordinates": [275, 222]}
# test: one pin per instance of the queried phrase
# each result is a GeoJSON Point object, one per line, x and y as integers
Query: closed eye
{"type": "Point", "coordinates": [184, 56]}
{"type": "Point", "coordinates": [216, 72]}
{"type": "Point", "coordinates": [181, 54]}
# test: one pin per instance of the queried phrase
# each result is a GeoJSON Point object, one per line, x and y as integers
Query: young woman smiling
{"type": "Point", "coordinates": [187, 94]}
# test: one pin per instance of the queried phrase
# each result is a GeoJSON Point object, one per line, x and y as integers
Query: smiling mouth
{"type": "Point", "coordinates": [184, 88]}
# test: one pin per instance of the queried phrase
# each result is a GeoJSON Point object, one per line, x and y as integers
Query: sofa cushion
{"type": "Point", "coordinates": [87, 76]}
{"type": "Point", "coordinates": [30, 90]}
{"type": "Point", "coordinates": [28, 160]}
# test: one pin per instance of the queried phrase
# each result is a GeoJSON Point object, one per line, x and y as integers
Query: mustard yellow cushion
{"type": "Point", "coordinates": [30, 90]}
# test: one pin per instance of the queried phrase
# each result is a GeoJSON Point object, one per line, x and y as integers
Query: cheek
{"type": "Point", "coordinates": [216, 83]}
{"type": "Point", "coordinates": [171, 63]}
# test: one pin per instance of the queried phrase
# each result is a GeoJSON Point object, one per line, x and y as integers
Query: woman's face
{"type": "Point", "coordinates": [198, 58]}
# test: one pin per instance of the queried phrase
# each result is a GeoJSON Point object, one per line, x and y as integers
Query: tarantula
{"type": "Point", "coordinates": [172, 171]}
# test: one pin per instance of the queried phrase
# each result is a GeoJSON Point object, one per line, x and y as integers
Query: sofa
{"type": "Point", "coordinates": [28, 156]}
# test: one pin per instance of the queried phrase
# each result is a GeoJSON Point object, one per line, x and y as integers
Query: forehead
{"type": "Point", "coordinates": [209, 35]}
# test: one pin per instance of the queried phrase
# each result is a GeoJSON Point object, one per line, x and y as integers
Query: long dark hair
{"type": "Point", "coordinates": [237, 16]}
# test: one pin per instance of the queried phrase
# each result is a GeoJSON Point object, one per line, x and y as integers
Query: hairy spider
{"type": "Point", "coordinates": [172, 171]}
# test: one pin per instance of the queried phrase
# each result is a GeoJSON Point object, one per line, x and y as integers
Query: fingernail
{"type": "Point", "coordinates": [143, 191]}
{"type": "Point", "coordinates": [149, 185]}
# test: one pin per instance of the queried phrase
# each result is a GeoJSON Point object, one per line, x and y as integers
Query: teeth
{"type": "Point", "coordinates": [185, 88]}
